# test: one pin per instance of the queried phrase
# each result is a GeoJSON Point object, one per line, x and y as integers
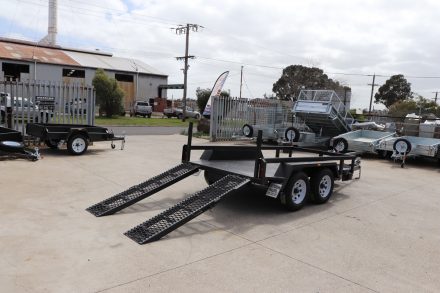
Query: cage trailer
{"type": "Point", "coordinates": [230, 169]}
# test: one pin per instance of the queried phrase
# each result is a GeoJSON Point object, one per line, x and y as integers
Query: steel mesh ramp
{"type": "Point", "coordinates": [145, 189]}
{"type": "Point", "coordinates": [169, 220]}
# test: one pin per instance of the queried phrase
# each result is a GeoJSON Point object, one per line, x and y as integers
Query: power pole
{"type": "Point", "coordinates": [372, 91]}
{"type": "Point", "coordinates": [185, 30]}
{"type": "Point", "coordinates": [241, 80]}
{"type": "Point", "coordinates": [436, 94]}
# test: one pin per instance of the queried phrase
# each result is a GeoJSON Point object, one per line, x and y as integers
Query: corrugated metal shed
{"type": "Point", "coordinates": [27, 51]}
{"type": "Point", "coordinates": [112, 63]}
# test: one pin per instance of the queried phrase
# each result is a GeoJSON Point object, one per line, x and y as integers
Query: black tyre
{"type": "Point", "coordinates": [197, 117]}
{"type": "Point", "coordinates": [211, 176]}
{"type": "Point", "coordinates": [149, 115]}
{"type": "Point", "coordinates": [295, 195]}
{"type": "Point", "coordinates": [291, 134]}
{"type": "Point", "coordinates": [322, 184]}
{"type": "Point", "coordinates": [340, 145]}
{"type": "Point", "coordinates": [11, 146]}
{"type": "Point", "coordinates": [77, 144]}
{"type": "Point", "coordinates": [247, 130]}
{"type": "Point", "coordinates": [384, 154]}
{"type": "Point", "coordinates": [402, 146]}
{"type": "Point", "coordinates": [180, 116]}
{"type": "Point", "coordinates": [51, 144]}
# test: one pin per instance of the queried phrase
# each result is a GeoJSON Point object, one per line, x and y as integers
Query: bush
{"type": "Point", "coordinates": [108, 94]}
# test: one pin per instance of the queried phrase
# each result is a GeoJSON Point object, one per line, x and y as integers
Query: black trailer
{"type": "Point", "coordinates": [229, 169]}
{"type": "Point", "coordinates": [77, 137]}
{"type": "Point", "coordinates": [11, 145]}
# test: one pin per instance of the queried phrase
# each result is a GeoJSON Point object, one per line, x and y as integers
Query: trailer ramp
{"type": "Point", "coordinates": [145, 189]}
{"type": "Point", "coordinates": [171, 219]}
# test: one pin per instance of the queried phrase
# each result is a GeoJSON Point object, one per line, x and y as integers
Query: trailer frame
{"type": "Point", "coordinates": [77, 136]}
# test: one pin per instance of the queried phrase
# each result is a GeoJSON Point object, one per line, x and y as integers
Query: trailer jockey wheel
{"type": "Point", "coordinates": [51, 144]}
{"type": "Point", "coordinates": [295, 195]}
{"type": "Point", "coordinates": [402, 146]}
{"type": "Point", "coordinates": [340, 145]}
{"type": "Point", "coordinates": [11, 147]}
{"type": "Point", "coordinates": [77, 144]}
{"type": "Point", "coordinates": [247, 130]}
{"type": "Point", "coordinates": [322, 184]}
{"type": "Point", "coordinates": [292, 134]}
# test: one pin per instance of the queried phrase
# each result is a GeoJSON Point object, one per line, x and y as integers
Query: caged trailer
{"type": "Point", "coordinates": [77, 137]}
{"type": "Point", "coordinates": [322, 113]}
{"type": "Point", "coordinates": [230, 169]}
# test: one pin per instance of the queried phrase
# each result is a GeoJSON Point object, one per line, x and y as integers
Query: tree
{"type": "Point", "coordinates": [395, 89]}
{"type": "Point", "coordinates": [297, 77]}
{"type": "Point", "coordinates": [108, 94]}
{"type": "Point", "coordinates": [203, 97]}
{"type": "Point", "coordinates": [420, 105]}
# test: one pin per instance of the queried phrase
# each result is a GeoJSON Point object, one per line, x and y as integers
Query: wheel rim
{"type": "Point", "coordinates": [401, 147]}
{"type": "Point", "coordinates": [78, 145]}
{"type": "Point", "coordinates": [246, 131]}
{"type": "Point", "coordinates": [299, 191]}
{"type": "Point", "coordinates": [11, 144]}
{"type": "Point", "coordinates": [339, 147]}
{"type": "Point", "coordinates": [325, 186]}
{"type": "Point", "coordinates": [290, 135]}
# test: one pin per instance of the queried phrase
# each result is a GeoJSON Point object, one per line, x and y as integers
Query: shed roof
{"type": "Point", "coordinates": [28, 51]}
{"type": "Point", "coordinates": [112, 63]}
{"type": "Point", "coordinates": [31, 53]}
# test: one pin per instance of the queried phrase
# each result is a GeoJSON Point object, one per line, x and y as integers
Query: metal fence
{"type": "Point", "coordinates": [45, 102]}
{"type": "Point", "coordinates": [229, 115]}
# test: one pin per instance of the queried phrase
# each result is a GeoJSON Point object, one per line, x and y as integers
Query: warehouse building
{"type": "Point", "coordinates": [22, 61]}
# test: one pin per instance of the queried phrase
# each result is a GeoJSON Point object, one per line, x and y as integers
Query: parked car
{"type": "Point", "coordinates": [178, 112]}
{"type": "Point", "coordinates": [141, 108]}
{"type": "Point", "coordinates": [76, 106]}
{"type": "Point", "coordinates": [22, 108]}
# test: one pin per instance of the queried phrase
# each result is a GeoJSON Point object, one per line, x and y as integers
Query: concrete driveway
{"type": "Point", "coordinates": [378, 234]}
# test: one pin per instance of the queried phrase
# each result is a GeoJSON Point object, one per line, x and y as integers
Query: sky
{"type": "Point", "coordinates": [349, 40]}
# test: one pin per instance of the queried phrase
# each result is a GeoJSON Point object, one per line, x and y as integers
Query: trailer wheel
{"type": "Point", "coordinates": [211, 176]}
{"type": "Point", "coordinates": [50, 144]}
{"type": "Point", "coordinates": [11, 146]}
{"type": "Point", "coordinates": [402, 146]}
{"type": "Point", "coordinates": [322, 184]}
{"type": "Point", "coordinates": [340, 145]}
{"type": "Point", "coordinates": [77, 144]}
{"type": "Point", "coordinates": [295, 195]}
{"type": "Point", "coordinates": [384, 154]}
{"type": "Point", "coordinates": [247, 130]}
{"type": "Point", "coordinates": [292, 134]}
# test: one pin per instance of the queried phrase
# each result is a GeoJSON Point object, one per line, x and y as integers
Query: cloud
{"type": "Point", "coordinates": [385, 37]}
